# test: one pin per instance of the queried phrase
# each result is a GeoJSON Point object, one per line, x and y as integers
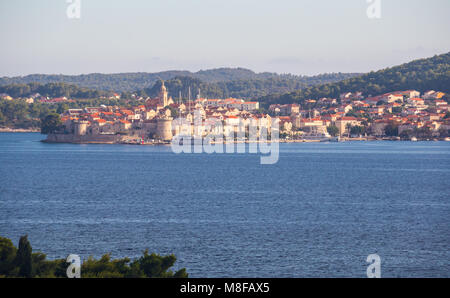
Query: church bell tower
{"type": "Point", "coordinates": [163, 95]}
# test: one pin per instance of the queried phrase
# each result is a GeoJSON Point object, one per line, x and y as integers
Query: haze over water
{"type": "Point", "coordinates": [319, 212]}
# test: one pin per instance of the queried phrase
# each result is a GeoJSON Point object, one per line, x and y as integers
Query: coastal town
{"type": "Point", "coordinates": [399, 115]}
{"type": "Point", "coordinates": [224, 148]}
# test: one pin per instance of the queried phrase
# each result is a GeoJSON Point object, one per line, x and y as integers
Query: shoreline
{"type": "Point", "coordinates": [147, 143]}
{"type": "Point", "coordinates": [19, 130]}
{"type": "Point", "coordinates": [236, 142]}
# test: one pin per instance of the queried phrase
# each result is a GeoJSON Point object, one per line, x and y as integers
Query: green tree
{"type": "Point", "coordinates": [424, 132]}
{"type": "Point", "coordinates": [333, 130]}
{"type": "Point", "coordinates": [406, 134]}
{"type": "Point", "coordinates": [2, 118]}
{"type": "Point", "coordinates": [62, 108]}
{"type": "Point", "coordinates": [391, 130]}
{"type": "Point", "coordinates": [157, 266]}
{"type": "Point", "coordinates": [352, 113]}
{"type": "Point", "coordinates": [443, 132]}
{"type": "Point", "coordinates": [357, 130]}
{"type": "Point", "coordinates": [51, 123]}
{"type": "Point", "coordinates": [348, 127]}
{"type": "Point", "coordinates": [23, 257]}
{"type": "Point", "coordinates": [7, 256]}
{"type": "Point", "coordinates": [23, 263]}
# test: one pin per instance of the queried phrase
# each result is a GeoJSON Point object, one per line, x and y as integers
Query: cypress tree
{"type": "Point", "coordinates": [23, 257]}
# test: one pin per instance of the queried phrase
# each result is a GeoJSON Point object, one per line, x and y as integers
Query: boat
{"type": "Point", "coordinates": [413, 139]}
{"type": "Point", "coordinates": [447, 139]}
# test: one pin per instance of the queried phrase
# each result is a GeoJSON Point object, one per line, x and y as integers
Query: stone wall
{"type": "Point", "coordinates": [85, 139]}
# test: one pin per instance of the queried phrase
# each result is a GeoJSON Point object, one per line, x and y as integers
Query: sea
{"type": "Point", "coordinates": [320, 211]}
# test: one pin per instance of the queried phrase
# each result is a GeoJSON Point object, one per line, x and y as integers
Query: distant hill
{"type": "Point", "coordinates": [242, 88]}
{"type": "Point", "coordinates": [130, 82]}
{"type": "Point", "coordinates": [53, 90]}
{"type": "Point", "coordinates": [422, 75]}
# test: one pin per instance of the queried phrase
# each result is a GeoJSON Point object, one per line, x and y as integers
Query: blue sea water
{"type": "Point", "coordinates": [319, 212]}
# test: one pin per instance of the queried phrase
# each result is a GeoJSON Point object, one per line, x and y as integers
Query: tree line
{"type": "Point", "coordinates": [131, 82]}
{"type": "Point", "coordinates": [244, 88]}
{"type": "Point", "coordinates": [19, 114]}
{"type": "Point", "coordinates": [52, 90]}
{"type": "Point", "coordinates": [22, 262]}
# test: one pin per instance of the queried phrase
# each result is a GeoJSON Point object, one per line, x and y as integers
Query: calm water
{"type": "Point", "coordinates": [319, 212]}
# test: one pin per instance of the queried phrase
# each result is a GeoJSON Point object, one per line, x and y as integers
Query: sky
{"type": "Point", "coordinates": [303, 37]}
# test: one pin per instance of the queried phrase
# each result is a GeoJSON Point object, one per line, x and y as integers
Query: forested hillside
{"type": "Point", "coordinates": [248, 89]}
{"type": "Point", "coordinates": [52, 90]}
{"type": "Point", "coordinates": [422, 75]}
{"type": "Point", "coordinates": [131, 82]}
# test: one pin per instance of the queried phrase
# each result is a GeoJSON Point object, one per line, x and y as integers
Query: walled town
{"type": "Point", "coordinates": [406, 115]}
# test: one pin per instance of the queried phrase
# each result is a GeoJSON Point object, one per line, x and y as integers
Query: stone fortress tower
{"type": "Point", "coordinates": [81, 127]}
{"type": "Point", "coordinates": [164, 129]}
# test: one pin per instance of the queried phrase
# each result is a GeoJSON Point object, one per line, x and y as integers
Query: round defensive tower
{"type": "Point", "coordinates": [164, 129]}
{"type": "Point", "coordinates": [81, 127]}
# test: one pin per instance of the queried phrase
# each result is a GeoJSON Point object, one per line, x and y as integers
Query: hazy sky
{"type": "Point", "coordinates": [295, 36]}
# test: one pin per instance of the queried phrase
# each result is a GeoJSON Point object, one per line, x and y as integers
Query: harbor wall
{"type": "Point", "coordinates": [83, 139]}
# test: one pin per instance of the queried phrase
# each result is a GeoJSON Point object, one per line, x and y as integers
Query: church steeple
{"type": "Point", "coordinates": [163, 95]}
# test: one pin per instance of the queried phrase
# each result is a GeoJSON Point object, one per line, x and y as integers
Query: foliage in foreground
{"type": "Point", "coordinates": [21, 262]}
